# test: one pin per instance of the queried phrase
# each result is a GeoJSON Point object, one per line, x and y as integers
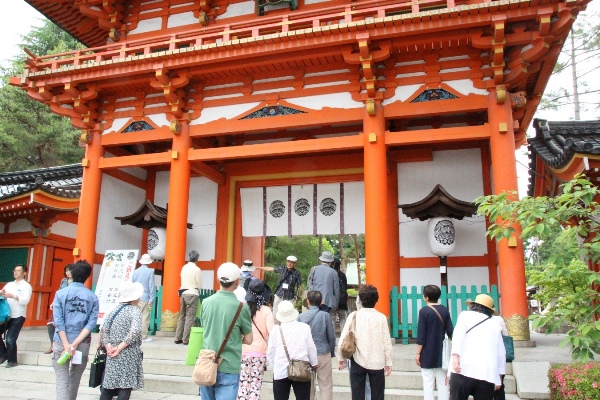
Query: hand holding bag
{"type": "Point", "coordinates": [348, 345]}
{"type": "Point", "coordinates": [298, 370]}
{"type": "Point", "coordinates": [97, 368]}
{"type": "Point", "coordinates": [207, 363]}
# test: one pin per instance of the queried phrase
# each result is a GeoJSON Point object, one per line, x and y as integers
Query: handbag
{"type": "Point", "coordinates": [97, 368]}
{"type": "Point", "coordinates": [348, 345]}
{"type": "Point", "coordinates": [99, 364]}
{"type": "Point", "coordinates": [207, 362]}
{"type": "Point", "coordinates": [446, 344]}
{"type": "Point", "coordinates": [298, 370]}
{"type": "Point", "coordinates": [510, 348]}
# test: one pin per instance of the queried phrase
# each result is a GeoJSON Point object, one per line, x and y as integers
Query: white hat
{"type": "Point", "coordinates": [228, 272]}
{"type": "Point", "coordinates": [286, 312]}
{"type": "Point", "coordinates": [292, 259]}
{"type": "Point", "coordinates": [146, 259]}
{"type": "Point", "coordinates": [130, 291]}
{"type": "Point", "coordinates": [248, 266]}
{"type": "Point", "coordinates": [327, 257]}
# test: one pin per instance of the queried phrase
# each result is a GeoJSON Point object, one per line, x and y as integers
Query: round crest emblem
{"type": "Point", "coordinates": [152, 239]}
{"type": "Point", "coordinates": [327, 206]}
{"type": "Point", "coordinates": [277, 208]}
{"type": "Point", "coordinates": [301, 207]}
{"type": "Point", "coordinates": [444, 232]}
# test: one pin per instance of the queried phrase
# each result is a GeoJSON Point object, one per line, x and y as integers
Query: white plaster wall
{"type": "Point", "coordinates": [460, 173]}
{"type": "Point", "coordinates": [147, 25]}
{"type": "Point", "coordinates": [65, 229]}
{"type": "Point", "coordinates": [306, 2]}
{"type": "Point", "coordinates": [159, 119]}
{"type": "Point", "coordinates": [459, 276]}
{"type": "Point", "coordinates": [117, 200]}
{"type": "Point", "coordinates": [420, 277]}
{"type": "Point", "coordinates": [337, 100]}
{"type": "Point", "coordinates": [117, 125]}
{"type": "Point", "coordinates": [20, 225]}
{"type": "Point", "coordinates": [465, 86]}
{"type": "Point", "coordinates": [402, 93]}
{"type": "Point", "coordinates": [208, 279]}
{"type": "Point", "coordinates": [136, 171]}
{"type": "Point", "coordinates": [186, 18]}
{"type": "Point", "coordinates": [238, 9]}
{"type": "Point", "coordinates": [202, 213]}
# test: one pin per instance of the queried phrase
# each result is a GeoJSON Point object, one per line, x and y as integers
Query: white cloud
{"type": "Point", "coordinates": [15, 22]}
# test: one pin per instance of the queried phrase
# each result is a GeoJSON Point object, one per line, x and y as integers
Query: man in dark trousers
{"type": "Point", "coordinates": [342, 311]}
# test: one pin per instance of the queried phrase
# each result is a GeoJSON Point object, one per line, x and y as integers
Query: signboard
{"type": "Point", "coordinates": [117, 268]}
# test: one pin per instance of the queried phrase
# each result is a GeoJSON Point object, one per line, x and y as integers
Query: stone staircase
{"type": "Point", "coordinates": [166, 374]}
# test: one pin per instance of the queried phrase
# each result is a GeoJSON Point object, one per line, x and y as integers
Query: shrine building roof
{"type": "Point", "coordinates": [63, 181]}
{"type": "Point", "coordinates": [438, 203]}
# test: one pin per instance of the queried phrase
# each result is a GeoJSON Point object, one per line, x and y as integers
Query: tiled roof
{"type": "Point", "coordinates": [556, 142]}
{"type": "Point", "coordinates": [63, 181]}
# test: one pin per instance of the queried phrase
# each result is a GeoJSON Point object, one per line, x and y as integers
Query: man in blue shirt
{"type": "Point", "coordinates": [145, 276]}
{"type": "Point", "coordinates": [75, 311]}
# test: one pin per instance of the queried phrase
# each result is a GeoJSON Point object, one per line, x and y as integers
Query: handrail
{"type": "Point", "coordinates": [330, 16]}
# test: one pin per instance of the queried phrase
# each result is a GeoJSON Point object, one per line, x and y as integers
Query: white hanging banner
{"type": "Point", "coordinates": [310, 209]}
{"type": "Point", "coordinates": [117, 268]}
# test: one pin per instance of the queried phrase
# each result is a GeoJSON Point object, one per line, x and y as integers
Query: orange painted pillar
{"type": "Point", "coordinates": [510, 253]}
{"type": "Point", "coordinates": [179, 192]}
{"type": "Point", "coordinates": [89, 202]}
{"type": "Point", "coordinates": [376, 205]}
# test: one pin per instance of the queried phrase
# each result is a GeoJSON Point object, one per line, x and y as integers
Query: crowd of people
{"type": "Point", "coordinates": [459, 361]}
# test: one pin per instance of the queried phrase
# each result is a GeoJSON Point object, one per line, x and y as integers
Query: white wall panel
{"type": "Point", "coordinates": [338, 100]}
{"type": "Point", "coordinates": [202, 213]}
{"type": "Point", "coordinates": [238, 9]}
{"type": "Point", "coordinates": [458, 276]}
{"type": "Point", "coordinates": [118, 199]}
{"type": "Point", "coordinates": [147, 25]}
{"type": "Point", "coordinates": [65, 229]}
{"type": "Point", "coordinates": [460, 173]}
{"type": "Point", "coordinates": [20, 225]}
{"type": "Point", "coordinates": [186, 18]}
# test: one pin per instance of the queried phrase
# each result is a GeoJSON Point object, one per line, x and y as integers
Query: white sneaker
{"type": "Point", "coordinates": [148, 339]}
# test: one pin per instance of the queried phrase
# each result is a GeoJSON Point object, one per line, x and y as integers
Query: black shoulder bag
{"type": "Point", "coordinates": [98, 366]}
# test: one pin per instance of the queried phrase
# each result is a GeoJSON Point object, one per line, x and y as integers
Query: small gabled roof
{"type": "Point", "coordinates": [438, 203]}
{"type": "Point", "coordinates": [63, 181]}
{"type": "Point", "coordinates": [147, 216]}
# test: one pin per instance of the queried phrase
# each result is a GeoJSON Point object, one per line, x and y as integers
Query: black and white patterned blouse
{"type": "Point", "coordinates": [125, 370]}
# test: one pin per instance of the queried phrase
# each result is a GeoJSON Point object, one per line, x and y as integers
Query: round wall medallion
{"type": "Point", "coordinates": [277, 209]}
{"type": "Point", "coordinates": [327, 206]}
{"type": "Point", "coordinates": [301, 207]}
{"type": "Point", "coordinates": [444, 232]}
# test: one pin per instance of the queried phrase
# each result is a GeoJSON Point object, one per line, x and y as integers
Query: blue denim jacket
{"type": "Point", "coordinates": [145, 276]}
{"type": "Point", "coordinates": [75, 308]}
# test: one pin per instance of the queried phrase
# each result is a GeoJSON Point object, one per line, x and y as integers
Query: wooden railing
{"type": "Point", "coordinates": [405, 306]}
{"type": "Point", "coordinates": [325, 20]}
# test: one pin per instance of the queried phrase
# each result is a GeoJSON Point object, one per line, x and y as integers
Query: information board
{"type": "Point", "coordinates": [117, 268]}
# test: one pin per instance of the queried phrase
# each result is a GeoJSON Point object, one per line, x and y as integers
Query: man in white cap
{"type": "Point", "coordinates": [246, 278]}
{"type": "Point", "coordinates": [145, 276]}
{"type": "Point", "coordinates": [218, 313]}
{"type": "Point", "coordinates": [290, 282]}
{"type": "Point", "coordinates": [323, 278]}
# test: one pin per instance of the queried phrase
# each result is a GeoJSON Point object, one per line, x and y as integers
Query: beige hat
{"type": "Point", "coordinates": [484, 300]}
{"type": "Point", "coordinates": [286, 312]}
{"type": "Point", "coordinates": [228, 272]}
{"type": "Point", "coordinates": [130, 291]}
{"type": "Point", "coordinates": [146, 259]}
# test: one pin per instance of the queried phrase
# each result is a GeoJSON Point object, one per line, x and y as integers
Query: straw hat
{"type": "Point", "coordinates": [484, 300]}
{"type": "Point", "coordinates": [130, 291]}
{"type": "Point", "coordinates": [286, 312]}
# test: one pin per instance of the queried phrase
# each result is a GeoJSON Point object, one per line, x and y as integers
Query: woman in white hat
{"type": "Point", "coordinates": [121, 335]}
{"type": "Point", "coordinates": [478, 354]}
{"type": "Point", "coordinates": [300, 346]}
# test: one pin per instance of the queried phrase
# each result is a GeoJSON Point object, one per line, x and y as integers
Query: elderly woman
{"type": "Point", "coordinates": [300, 346]}
{"type": "Point", "coordinates": [121, 335]}
{"type": "Point", "coordinates": [254, 356]}
{"type": "Point", "coordinates": [478, 354]}
{"type": "Point", "coordinates": [373, 356]}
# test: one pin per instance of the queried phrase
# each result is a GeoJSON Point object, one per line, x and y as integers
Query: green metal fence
{"type": "Point", "coordinates": [156, 311]}
{"type": "Point", "coordinates": [405, 306]}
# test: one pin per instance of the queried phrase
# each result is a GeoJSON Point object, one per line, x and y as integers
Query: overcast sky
{"type": "Point", "coordinates": [20, 17]}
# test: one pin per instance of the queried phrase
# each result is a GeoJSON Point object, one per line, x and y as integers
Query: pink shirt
{"type": "Point", "coordinates": [264, 320]}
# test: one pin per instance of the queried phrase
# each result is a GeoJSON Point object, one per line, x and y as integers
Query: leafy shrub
{"type": "Point", "coordinates": [578, 381]}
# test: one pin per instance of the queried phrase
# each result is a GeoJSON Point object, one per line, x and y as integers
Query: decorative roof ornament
{"type": "Point", "coordinates": [438, 203]}
{"type": "Point", "coordinates": [272, 111]}
{"type": "Point", "coordinates": [147, 216]}
{"type": "Point", "coordinates": [434, 94]}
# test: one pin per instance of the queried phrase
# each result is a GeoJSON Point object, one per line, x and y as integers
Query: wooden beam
{"type": "Point", "coordinates": [140, 160]}
{"type": "Point", "coordinates": [204, 170]}
{"type": "Point", "coordinates": [119, 139]}
{"type": "Point", "coordinates": [463, 105]}
{"type": "Point", "coordinates": [278, 149]}
{"type": "Point", "coordinates": [441, 135]}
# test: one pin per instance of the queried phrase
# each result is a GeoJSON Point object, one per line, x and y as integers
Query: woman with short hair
{"type": "Point", "coordinates": [373, 356]}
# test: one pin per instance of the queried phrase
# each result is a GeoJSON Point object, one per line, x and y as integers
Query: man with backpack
{"type": "Point", "coordinates": [17, 295]}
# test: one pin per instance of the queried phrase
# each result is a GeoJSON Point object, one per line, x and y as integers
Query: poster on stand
{"type": "Point", "coordinates": [117, 268]}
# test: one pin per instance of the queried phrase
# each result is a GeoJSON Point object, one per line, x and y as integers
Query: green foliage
{"type": "Point", "coordinates": [579, 381]}
{"type": "Point", "coordinates": [565, 278]}
{"type": "Point", "coordinates": [31, 136]}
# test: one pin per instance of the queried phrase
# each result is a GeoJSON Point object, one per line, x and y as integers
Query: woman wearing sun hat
{"type": "Point", "coordinates": [121, 335]}
{"type": "Point", "coordinates": [300, 346]}
{"type": "Point", "coordinates": [478, 354]}
{"type": "Point", "coordinates": [254, 356]}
